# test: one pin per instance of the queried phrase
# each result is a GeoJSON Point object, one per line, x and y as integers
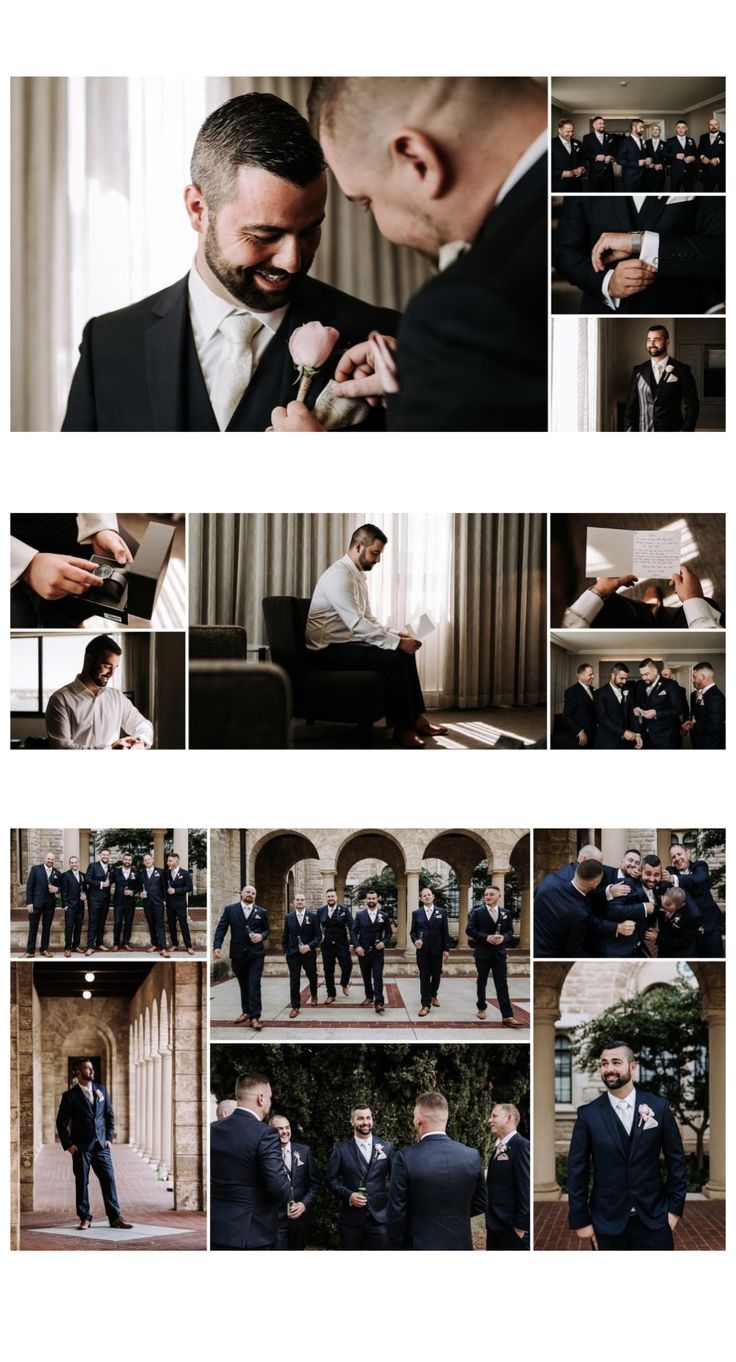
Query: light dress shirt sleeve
{"type": "Point", "coordinates": [88, 525]}
{"type": "Point", "coordinates": [582, 612]}
{"type": "Point", "coordinates": [340, 612]}
{"type": "Point", "coordinates": [76, 719]}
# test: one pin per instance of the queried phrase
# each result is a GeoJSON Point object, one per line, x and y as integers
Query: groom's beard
{"type": "Point", "coordinates": [616, 1080]}
{"type": "Point", "coordinates": [241, 281]}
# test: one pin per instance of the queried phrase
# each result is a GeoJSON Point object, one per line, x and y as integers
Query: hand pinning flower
{"type": "Point", "coordinates": [310, 346]}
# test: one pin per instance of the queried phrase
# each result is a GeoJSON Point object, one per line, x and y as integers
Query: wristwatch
{"type": "Point", "coordinates": [636, 241]}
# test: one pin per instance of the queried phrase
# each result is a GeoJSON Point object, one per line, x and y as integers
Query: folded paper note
{"type": "Point", "coordinates": [421, 627]}
{"type": "Point", "coordinates": [645, 553]}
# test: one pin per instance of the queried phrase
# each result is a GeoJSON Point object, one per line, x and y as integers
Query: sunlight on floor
{"type": "Point", "coordinates": [482, 733]}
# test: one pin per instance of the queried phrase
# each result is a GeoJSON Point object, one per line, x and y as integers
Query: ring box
{"type": "Point", "coordinates": [143, 578]}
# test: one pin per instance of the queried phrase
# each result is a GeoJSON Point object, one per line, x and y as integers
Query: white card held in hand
{"type": "Point", "coordinates": [645, 553]}
{"type": "Point", "coordinates": [422, 627]}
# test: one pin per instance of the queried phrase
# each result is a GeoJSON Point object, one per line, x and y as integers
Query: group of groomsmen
{"type": "Point", "coordinates": [265, 1184]}
{"type": "Point", "coordinates": [339, 935]}
{"type": "Point", "coordinates": [639, 908]}
{"type": "Point", "coordinates": [161, 893]}
{"type": "Point", "coordinates": [646, 161]}
{"type": "Point", "coordinates": [653, 711]}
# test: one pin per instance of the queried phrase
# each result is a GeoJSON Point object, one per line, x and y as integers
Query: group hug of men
{"type": "Point", "coordinates": [162, 894]}
{"type": "Point", "coordinates": [649, 162]}
{"type": "Point", "coordinates": [265, 1184]}
{"type": "Point", "coordinates": [339, 935]}
{"type": "Point", "coordinates": [653, 711]}
{"type": "Point", "coordinates": [636, 909]}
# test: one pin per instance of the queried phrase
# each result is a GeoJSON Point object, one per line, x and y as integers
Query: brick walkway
{"type": "Point", "coordinates": [143, 1199]}
{"type": "Point", "coordinates": [703, 1227]}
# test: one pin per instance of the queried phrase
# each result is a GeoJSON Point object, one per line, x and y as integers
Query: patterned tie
{"type": "Point", "coordinates": [236, 366]}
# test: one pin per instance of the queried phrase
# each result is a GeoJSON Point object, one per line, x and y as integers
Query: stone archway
{"type": "Point", "coordinates": [463, 850]}
{"type": "Point", "coordinates": [271, 860]}
{"type": "Point", "coordinates": [375, 844]}
{"type": "Point", "coordinates": [520, 861]}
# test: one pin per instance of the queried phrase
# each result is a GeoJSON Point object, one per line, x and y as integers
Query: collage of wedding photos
{"type": "Point", "coordinates": [327, 1029]}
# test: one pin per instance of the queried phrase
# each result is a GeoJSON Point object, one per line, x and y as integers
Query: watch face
{"type": "Point", "coordinates": [104, 570]}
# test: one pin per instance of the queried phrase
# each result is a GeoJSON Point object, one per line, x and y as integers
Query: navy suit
{"type": "Point", "coordinates": [89, 1126]}
{"type": "Point", "coordinates": [626, 1175]}
{"type": "Point", "coordinates": [246, 956]}
{"type": "Point", "coordinates": [633, 176]}
{"type": "Point", "coordinates": [600, 175]}
{"type": "Point", "coordinates": [562, 159]}
{"type": "Point", "coordinates": [578, 712]}
{"type": "Point", "coordinates": [682, 177]}
{"type": "Point", "coordinates": [123, 904]}
{"type": "Point", "coordinates": [305, 1185]}
{"type": "Point", "coordinates": [663, 731]}
{"type": "Point", "coordinates": [565, 926]}
{"type": "Point", "coordinates": [489, 958]}
{"type": "Point", "coordinates": [98, 902]}
{"type": "Point", "coordinates": [437, 1185]}
{"type": "Point", "coordinates": [368, 935]}
{"type": "Point", "coordinates": [153, 897]}
{"type": "Point", "coordinates": [361, 1227]}
{"type": "Point", "coordinates": [709, 714]}
{"type": "Point", "coordinates": [679, 932]}
{"type": "Point", "coordinates": [628, 907]}
{"type": "Point", "coordinates": [248, 1180]}
{"type": "Point", "coordinates": [655, 178]}
{"type": "Point", "coordinates": [337, 938]}
{"type": "Point", "coordinates": [293, 937]}
{"type": "Point", "coordinates": [507, 1184]}
{"type": "Point", "coordinates": [613, 719]}
{"type": "Point", "coordinates": [43, 904]}
{"type": "Point", "coordinates": [73, 901]}
{"type": "Point", "coordinates": [434, 934]}
{"type": "Point", "coordinates": [696, 883]}
{"type": "Point", "coordinates": [176, 904]}
{"type": "Point", "coordinates": [713, 177]}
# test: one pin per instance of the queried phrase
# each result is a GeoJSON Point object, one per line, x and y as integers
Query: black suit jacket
{"type": "Point", "coordinates": [72, 889]}
{"type": "Point", "coordinates": [682, 177]}
{"type": "Point", "coordinates": [691, 272]}
{"type": "Point", "coordinates": [473, 342]}
{"type": "Point", "coordinates": [337, 931]}
{"type": "Point", "coordinates": [434, 933]}
{"type": "Point", "coordinates": [625, 1169]}
{"type": "Point", "coordinates": [565, 926]}
{"type": "Point", "coordinates": [233, 921]}
{"type": "Point", "coordinates": [679, 932]}
{"type": "Point", "coordinates": [664, 729]}
{"type": "Point", "coordinates": [346, 1171]}
{"type": "Point", "coordinates": [480, 927]}
{"type": "Point", "coordinates": [154, 888]}
{"type": "Point", "coordinates": [181, 882]}
{"type": "Point", "coordinates": [120, 884]}
{"type": "Point", "coordinates": [696, 883]}
{"type": "Point", "coordinates": [95, 876]}
{"type": "Point", "coordinates": [249, 1182]}
{"type": "Point", "coordinates": [656, 178]}
{"type": "Point", "coordinates": [628, 155]}
{"type": "Point", "coordinates": [293, 935]}
{"type": "Point", "coordinates": [37, 888]}
{"type": "Point", "coordinates": [138, 368]}
{"type": "Point", "coordinates": [613, 719]}
{"type": "Point", "coordinates": [579, 711]}
{"type": "Point", "coordinates": [82, 1123]}
{"type": "Point", "coordinates": [367, 933]}
{"type": "Point", "coordinates": [508, 1187]}
{"type": "Point", "coordinates": [304, 1180]}
{"type": "Point", "coordinates": [600, 175]}
{"type": "Point", "coordinates": [675, 398]}
{"type": "Point", "coordinates": [710, 719]}
{"type": "Point", "coordinates": [437, 1185]}
{"type": "Point", "coordinates": [562, 159]}
{"type": "Point", "coordinates": [713, 177]}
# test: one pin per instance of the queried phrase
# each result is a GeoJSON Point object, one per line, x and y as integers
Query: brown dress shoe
{"type": "Point", "coordinates": [149, 949]}
{"type": "Point", "coordinates": [346, 990]}
{"type": "Point", "coordinates": [314, 1001]}
{"type": "Point", "coordinates": [84, 1224]}
{"type": "Point", "coordinates": [294, 1012]}
{"type": "Point", "coordinates": [49, 954]}
{"type": "Point", "coordinates": [367, 1003]}
{"type": "Point", "coordinates": [427, 729]}
{"type": "Point", "coordinates": [165, 954]}
{"type": "Point", "coordinates": [423, 1011]}
{"type": "Point", "coordinates": [127, 948]}
{"type": "Point", "coordinates": [106, 948]}
{"type": "Point", "coordinates": [29, 955]}
{"type": "Point", "coordinates": [329, 1002]}
{"type": "Point", "coordinates": [121, 1224]}
{"type": "Point", "coordinates": [67, 954]}
{"type": "Point", "coordinates": [115, 948]}
{"type": "Point", "coordinates": [244, 1017]}
{"type": "Point", "coordinates": [256, 1025]}
{"type": "Point", "coordinates": [481, 1016]}
{"type": "Point", "coordinates": [90, 951]}
{"type": "Point", "coordinates": [379, 1007]}
{"type": "Point", "coordinates": [409, 740]}
{"type": "Point", "coordinates": [435, 1002]}
{"type": "Point", "coordinates": [190, 950]}
{"type": "Point", "coordinates": [511, 1021]}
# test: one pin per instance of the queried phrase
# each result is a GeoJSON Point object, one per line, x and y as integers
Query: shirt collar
{"type": "Point", "coordinates": [505, 1138]}
{"type": "Point", "coordinates": [630, 1100]}
{"type": "Point", "coordinates": [211, 310]}
{"type": "Point", "coordinates": [708, 687]}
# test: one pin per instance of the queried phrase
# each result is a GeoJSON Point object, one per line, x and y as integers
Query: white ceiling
{"type": "Point", "coordinates": [623, 644]}
{"type": "Point", "coordinates": [644, 95]}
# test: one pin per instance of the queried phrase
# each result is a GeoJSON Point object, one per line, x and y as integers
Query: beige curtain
{"type": "Point", "coordinates": [481, 577]}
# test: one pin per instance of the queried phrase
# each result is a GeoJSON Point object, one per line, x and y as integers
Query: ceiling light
{"type": "Point", "coordinates": [87, 994]}
{"type": "Point", "coordinates": [89, 978]}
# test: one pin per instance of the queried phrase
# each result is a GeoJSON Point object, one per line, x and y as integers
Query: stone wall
{"type": "Point", "coordinates": [73, 1026]}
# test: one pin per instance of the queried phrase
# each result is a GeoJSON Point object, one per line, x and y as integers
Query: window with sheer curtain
{"type": "Point", "coordinates": [575, 363]}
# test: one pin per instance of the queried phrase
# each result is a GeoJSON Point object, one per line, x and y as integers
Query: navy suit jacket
{"type": "Point", "coordinates": [578, 711]}
{"type": "Point", "coordinates": [367, 933]}
{"type": "Point", "coordinates": [612, 719]}
{"type": "Point", "coordinates": [308, 934]}
{"type": "Point", "coordinates": [600, 175]}
{"type": "Point", "coordinates": [710, 719]}
{"type": "Point", "coordinates": [682, 176]}
{"type": "Point", "coordinates": [305, 1183]}
{"type": "Point", "coordinates": [154, 888]}
{"type": "Point", "coordinates": [37, 888]}
{"type": "Point", "coordinates": [565, 925]}
{"type": "Point", "coordinates": [96, 874]}
{"type": "Point", "coordinates": [628, 155]}
{"type": "Point", "coordinates": [508, 1187]}
{"type": "Point", "coordinates": [625, 1169]}
{"type": "Point", "coordinates": [120, 884]}
{"type": "Point", "coordinates": [181, 881]}
{"type": "Point", "coordinates": [679, 933]}
{"type": "Point", "coordinates": [663, 731]}
{"type": "Point", "coordinates": [249, 1182]}
{"type": "Point", "coordinates": [347, 1169]}
{"type": "Point", "coordinates": [138, 367]}
{"type": "Point", "coordinates": [437, 1185]}
{"type": "Point", "coordinates": [80, 1123]}
{"type": "Point", "coordinates": [696, 883]}
{"type": "Point", "coordinates": [338, 929]}
{"type": "Point", "coordinates": [562, 159]}
{"type": "Point", "coordinates": [72, 889]}
{"type": "Point", "coordinates": [480, 926]}
{"type": "Point", "coordinates": [233, 921]}
{"type": "Point", "coordinates": [434, 933]}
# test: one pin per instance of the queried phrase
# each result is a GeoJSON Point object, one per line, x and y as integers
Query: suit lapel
{"type": "Point", "coordinates": [652, 210]}
{"type": "Point", "coordinates": [165, 344]}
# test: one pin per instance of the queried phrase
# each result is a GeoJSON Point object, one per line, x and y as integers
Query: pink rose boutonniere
{"type": "Point", "coordinates": [646, 1118]}
{"type": "Point", "coordinates": [310, 346]}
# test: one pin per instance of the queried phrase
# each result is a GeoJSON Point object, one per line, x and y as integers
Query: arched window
{"type": "Point", "coordinates": [563, 1069]}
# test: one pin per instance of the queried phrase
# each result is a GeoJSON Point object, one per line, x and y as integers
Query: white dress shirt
{"type": "Point", "coordinates": [580, 615]}
{"type": "Point", "coordinates": [624, 1108]}
{"type": "Point", "coordinates": [207, 310]}
{"type": "Point", "coordinates": [89, 523]}
{"type": "Point", "coordinates": [340, 611]}
{"type": "Point", "coordinates": [77, 718]}
{"type": "Point", "coordinates": [365, 1146]}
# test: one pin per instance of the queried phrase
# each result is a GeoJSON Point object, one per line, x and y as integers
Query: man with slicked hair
{"type": "Point", "coordinates": [566, 925]}
{"type": "Point", "coordinates": [437, 1185]}
{"type": "Point", "coordinates": [248, 1179]}
{"type": "Point", "coordinates": [707, 722]}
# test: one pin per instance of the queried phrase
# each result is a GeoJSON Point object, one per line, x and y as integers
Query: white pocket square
{"type": "Point", "coordinates": [672, 378]}
{"type": "Point", "coordinates": [650, 1123]}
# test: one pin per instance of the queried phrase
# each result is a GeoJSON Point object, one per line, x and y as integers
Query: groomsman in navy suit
{"type": "Point", "coordinates": [633, 159]}
{"type": "Point", "coordinates": [623, 1135]}
{"type": "Point", "coordinates": [430, 934]}
{"type": "Point", "coordinates": [437, 1185]}
{"type": "Point", "coordinates": [300, 943]}
{"type": "Point", "coordinates": [566, 925]}
{"type": "Point", "coordinates": [694, 878]}
{"type": "Point", "coordinates": [578, 710]}
{"type": "Point", "coordinates": [507, 1182]}
{"type": "Point", "coordinates": [490, 929]}
{"type": "Point", "coordinates": [655, 704]}
{"type": "Point", "coordinates": [247, 924]}
{"type": "Point", "coordinates": [249, 1182]}
{"type": "Point", "coordinates": [178, 885]}
{"type": "Point", "coordinates": [654, 148]}
{"type": "Point", "coordinates": [125, 885]}
{"type": "Point", "coordinates": [712, 158]}
{"type": "Point", "coordinates": [599, 152]}
{"type": "Point", "coordinates": [707, 722]}
{"type": "Point", "coordinates": [295, 1218]}
{"type": "Point", "coordinates": [681, 154]}
{"type": "Point", "coordinates": [371, 933]}
{"type": "Point", "coordinates": [99, 888]}
{"type": "Point", "coordinates": [73, 900]}
{"type": "Point", "coordinates": [615, 729]}
{"type": "Point", "coordinates": [153, 896]}
{"type": "Point", "coordinates": [85, 1123]}
{"type": "Point", "coordinates": [568, 161]}
{"type": "Point", "coordinates": [336, 926]}
{"type": "Point", "coordinates": [42, 891]}
{"type": "Point", "coordinates": [358, 1174]}
{"type": "Point", "coordinates": [676, 932]}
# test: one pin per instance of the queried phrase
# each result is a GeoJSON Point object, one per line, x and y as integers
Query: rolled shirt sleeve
{"type": "Point", "coordinates": [583, 611]}
{"type": "Point", "coordinates": [20, 556]}
{"type": "Point", "coordinates": [134, 724]}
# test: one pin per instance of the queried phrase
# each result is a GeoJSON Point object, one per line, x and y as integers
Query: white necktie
{"type": "Point", "coordinates": [287, 1160]}
{"type": "Point", "coordinates": [623, 1114]}
{"type": "Point", "coordinates": [236, 366]}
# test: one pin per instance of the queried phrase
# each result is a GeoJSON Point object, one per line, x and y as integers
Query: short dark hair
{"type": "Point", "coordinates": [563, 123]}
{"type": "Point", "coordinates": [583, 667]}
{"type": "Point", "coordinates": [176, 854]}
{"type": "Point", "coordinates": [365, 534]}
{"type": "Point", "coordinates": [360, 1106]}
{"type": "Point", "coordinates": [597, 116]}
{"type": "Point", "coordinates": [246, 1083]}
{"type": "Point", "coordinates": [635, 120]}
{"type": "Point", "coordinates": [682, 120]}
{"type": "Point", "coordinates": [253, 130]}
{"type": "Point", "coordinates": [651, 859]}
{"type": "Point", "coordinates": [86, 1059]}
{"type": "Point", "coordinates": [632, 851]}
{"type": "Point", "coordinates": [647, 662]}
{"type": "Point", "coordinates": [589, 870]}
{"type": "Point", "coordinates": [102, 644]}
{"type": "Point", "coordinates": [619, 1045]}
{"type": "Point", "coordinates": [658, 326]}
{"type": "Point", "coordinates": [620, 667]}
{"type": "Point", "coordinates": [703, 667]}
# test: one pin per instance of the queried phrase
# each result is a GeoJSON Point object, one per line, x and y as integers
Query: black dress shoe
{"type": "Point", "coordinates": [120, 1224]}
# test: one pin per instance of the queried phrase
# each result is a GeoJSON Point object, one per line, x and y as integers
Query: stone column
{"type": "Point", "coordinates": [328, 881]}
{"type": "Point", "coordinates": [401, 915]}
{"type": "Point", "coordinates": [525, 938]}
{"type": "Point", "coordinates": [412, 902]}
{"type": "Point", "coordinates": [614, 842]}
{"type": "Point", "coordinates": [71, 846]}
{"type": "Point", "coordinates": [156, 1114]}
{"type": "Point", "coordinates": [548, 981]}
{"type": "Point", "coordinates": [463, 894]}
{"type": "Point", "coordinates": [27, 1094]}
{"type": "Point", "coordinates": [137, 1140]}
{"type": "Point", "coordinates": [158, 846]}
{"type": "Point", "coordinates": [186, 1038]}
{"type": "Point", "coordinates": [166, 1109]}
{"type": "Point", "coordinates": [181, 844]}
{"type": "Point", "coordinates": [148, 1137]}
{"type": "Point", "coordinates": [715, 1187]}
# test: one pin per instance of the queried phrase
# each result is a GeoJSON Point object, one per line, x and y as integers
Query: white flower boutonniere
{"type": "Point", "coordinates": [298, 1160]}
{"type": "Point", "coordinates": [379, 1151]}
{"type": "Point", "coordinates": [646, 1118]}
{"type": "Point", "coordinates": [99, 1095]}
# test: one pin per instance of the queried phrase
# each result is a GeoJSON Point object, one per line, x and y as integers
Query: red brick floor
{"type": "Point", "coordinates": [703, 1227]}
{"type": "Point", "coordinates": [142, 1198]}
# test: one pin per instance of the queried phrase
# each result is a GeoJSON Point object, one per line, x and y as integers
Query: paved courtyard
{"type": "Point", "coordinates": [703, 1226]}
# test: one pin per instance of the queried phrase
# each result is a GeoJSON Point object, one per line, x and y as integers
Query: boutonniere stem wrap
{"type": "Point", "coordinates": [310, 346]}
